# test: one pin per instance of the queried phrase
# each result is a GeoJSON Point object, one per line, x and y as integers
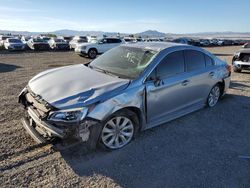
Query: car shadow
{"type": "Point", "coordinates": [192, 150]}
{"type": "Point", "coordinates": [7, 67]}
{"type": "Point", "coordinates": [239, 85]}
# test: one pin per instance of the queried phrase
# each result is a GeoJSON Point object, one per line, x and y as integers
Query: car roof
{"type": "Point", "coordinates": [155, 46]}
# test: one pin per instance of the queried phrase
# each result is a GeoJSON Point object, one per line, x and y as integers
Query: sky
{"type": "Point", "coordinates": [126, 16]}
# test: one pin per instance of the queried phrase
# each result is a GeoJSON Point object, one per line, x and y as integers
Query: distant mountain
{"type": "Point", "coordinates": [148, 33]}
{"type": "Point", "coordinates": [151, 33]}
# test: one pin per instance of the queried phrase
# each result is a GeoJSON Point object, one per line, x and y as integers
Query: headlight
{"type": "Point", "coordinates": [69, 115]}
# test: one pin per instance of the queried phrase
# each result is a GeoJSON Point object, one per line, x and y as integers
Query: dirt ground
{"type": "Point", "coordinates": [208, 148]}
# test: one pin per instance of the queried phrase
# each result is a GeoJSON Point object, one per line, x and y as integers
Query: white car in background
{"type": "Point", "coordinates": [3, 38]}
{"type": "Point", "coordinates": [13, 44]}
{"type": "Point", "coordinates": [93, 49]}
{"type": "Point", "coordinates": [77, 40]}
{"type": "Point", "coordinates": [129, 39]}
{"type": "Point", "coordinates": [25, 39]}
{"type": "Point", "coordinates": [58, 44]}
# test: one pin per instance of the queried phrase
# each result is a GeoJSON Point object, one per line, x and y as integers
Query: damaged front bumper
{"type": "Point", "coordinates": [43, 130]}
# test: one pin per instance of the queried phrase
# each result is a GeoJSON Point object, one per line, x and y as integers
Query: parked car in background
{"type": "Point", "coordinates": [241, 60]}
{"type": "Point", "coordinates": [76, 41]}
{"type": "Point", "coordinates": [181, 40]}
{"type": "Point", "coordinates": [129, 39]}
{"type": "Point", "coordinates": [128, 89]}
{"type": "Point", "coordinates": [58, 44]}
{"type": "Point", "coordinates": [228, 42]}
{"type": "Point", "coordinates": [66, 38]}
{"type": "Point", "coordinates": [92, 38]}
{"type": "Point", "coordinates": [25, 39]}
{"type": "Point", "coordinates": [214, 42]}
{"type": "Point", "coordinates": [204, 42]}
{"type": "Point", "coordinates": [14, 44]}
{"type": "Point", "coordinates": [38, 44]}
{"type": "Point", "coordinates": [247, 45]}
{"type": "Point", "coordinates": [93, 49]}
{"type": "Point", "coordinates": [3, 38]}
{"type": "Point", "coordinates": [45, 38]}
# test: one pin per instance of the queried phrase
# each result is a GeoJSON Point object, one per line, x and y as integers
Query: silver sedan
{"type": "Point", "coordinates": [128, 89]}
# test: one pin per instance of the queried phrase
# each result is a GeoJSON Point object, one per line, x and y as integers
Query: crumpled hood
{"type": "Point", "coordinates": [74, 86]}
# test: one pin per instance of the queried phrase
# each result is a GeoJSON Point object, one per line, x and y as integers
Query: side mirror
{"type": "Point", "coordinates": [156, 80]}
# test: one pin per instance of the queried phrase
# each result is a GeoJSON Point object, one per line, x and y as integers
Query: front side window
{"type": "Point", "coordinates": [171, 65]}
{"type": "Point", "coordinates": [194, 60]}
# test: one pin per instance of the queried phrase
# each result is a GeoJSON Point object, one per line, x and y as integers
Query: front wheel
{"type": "Point", "coordinates": [119, 130]}
{"type": "Point", "coordinates": [92, 53]}
{"type": "Point", "coordinates": [235, 69]}
{"type": "Point", "coordinates": [214, 96]}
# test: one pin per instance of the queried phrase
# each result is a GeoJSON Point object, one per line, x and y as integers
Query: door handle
{"type": "Point", "coordinates": [185, 82]}
{"type": "Point", "coordinates": [211, 74]}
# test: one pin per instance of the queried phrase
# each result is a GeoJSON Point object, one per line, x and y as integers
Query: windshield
{"type": "Point", "coordinates": [124, 62]}
{"type": "Point", "coordinates": [15, 41]}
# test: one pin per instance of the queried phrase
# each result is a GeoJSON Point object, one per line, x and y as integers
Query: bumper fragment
{"type": "Point", "coordinates": [32, 131]}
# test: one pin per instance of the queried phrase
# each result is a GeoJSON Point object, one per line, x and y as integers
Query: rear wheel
{"type": "Point", "coordinates": [214, 96]}
{"type": "Point", "coordinates": [119, 129]}
{"type": "Point", "coordinates": [92, 53]}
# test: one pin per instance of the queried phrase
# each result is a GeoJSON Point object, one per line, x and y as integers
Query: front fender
{"type": "Point", "coordinates": [134, 97]}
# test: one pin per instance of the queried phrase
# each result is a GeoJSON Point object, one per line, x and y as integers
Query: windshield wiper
{"type": "Point", "coordinates": [102, 70]}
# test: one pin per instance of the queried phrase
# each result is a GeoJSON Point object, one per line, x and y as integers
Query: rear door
{"type": "Point", "coordinates": [201, 76]}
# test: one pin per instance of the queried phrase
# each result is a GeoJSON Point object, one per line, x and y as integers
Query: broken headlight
{"type": "Point", "coordinates": [73, 115]}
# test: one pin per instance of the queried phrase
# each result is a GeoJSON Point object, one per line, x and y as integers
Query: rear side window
{"type": "Point", "coordinates": [194, 60]}
{"type": "Point", "coordinates": [171, 65]}
{"type": "Point", "coordinates": [209, 61]}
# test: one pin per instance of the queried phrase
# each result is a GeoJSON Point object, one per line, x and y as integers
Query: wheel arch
{"type": "Point", "coordinates": [93, 48]}
{"type": "Point", "coordinates": [222, 86]}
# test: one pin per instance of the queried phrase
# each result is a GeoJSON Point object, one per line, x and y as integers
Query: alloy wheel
{"type": "Point", "coordinates": [117, 132]}
{"type": "Point", "coordinates": [92, 54]}
{"type": "Point", "coordinates": [214, 96]}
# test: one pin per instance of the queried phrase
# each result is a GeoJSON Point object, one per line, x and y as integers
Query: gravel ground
{"type": "Point", "coordinates": [208, 148]}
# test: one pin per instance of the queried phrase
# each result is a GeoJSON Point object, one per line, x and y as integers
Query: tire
{"type": "Point", "coordinates": [118, 130]}
{"type": "Point", "coordinates": [235, 69]}
{"type": "Point", "coordinates": [92, 53]}
{"type": "Point", "coordinates": [214, 96]}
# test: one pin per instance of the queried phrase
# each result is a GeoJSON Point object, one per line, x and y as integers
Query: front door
{"type": "Point", "coordinates": [168, 93]}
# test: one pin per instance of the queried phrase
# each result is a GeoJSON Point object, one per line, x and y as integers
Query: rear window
{"type": "Point", "coordinates": [194, 60]}
{"type": "Point", "coordinates": [209, 61]}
